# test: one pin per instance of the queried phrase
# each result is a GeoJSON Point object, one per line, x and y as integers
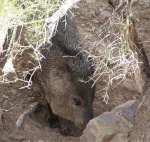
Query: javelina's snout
{"type": "Point", "coordinates": [83, 117]}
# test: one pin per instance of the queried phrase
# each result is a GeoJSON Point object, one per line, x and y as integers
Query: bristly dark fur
{"type": "Point", "coordinates": [64, 79]}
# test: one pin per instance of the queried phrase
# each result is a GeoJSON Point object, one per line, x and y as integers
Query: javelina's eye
{"type": "Point", "coordinates": [77, 101]}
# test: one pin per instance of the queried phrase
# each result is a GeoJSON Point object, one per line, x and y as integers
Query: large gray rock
{"type": "Point", "coordinates": [111, 126]}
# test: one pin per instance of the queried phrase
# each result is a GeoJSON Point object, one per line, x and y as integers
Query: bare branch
{"type": "Point", "coordinates": [52, 22]}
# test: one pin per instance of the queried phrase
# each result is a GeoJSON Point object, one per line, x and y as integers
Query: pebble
{"type": "Point", "coordinates": [93, 29]}
{"type": "Point", "coordinates": [82, 25]}
{"type": "Point", "coordinates": [92, 12]}
{"type": "Point", "coordinates": [88, 29]}
{"type": "Point", "coordinates": [4, 97]}
{"type": "Point", "coordinates": [16, 137]}
{"type": "Point", "coordinates": [1, 117]}
{"type": "Point", "coordinates": [134, 97]}
{"type": "Point", "coordinates": [91, 1]}
{"type": "Point", "coordinates": [40, 140]}
{"type": "Point", "coordinates": [1, 99]}
{"type": "Point", "coordinates": [14, 91]}
{"type": "Point", "coordinates": [6, 104]}
{"type": "Point", "coordinates": [104, 15]}
{"type": "Point", "coordinates": [141, 30]}
{"type": "Point", "coordinates": [95, 21]}
{"type": "Point", "coordinates": [97, 12]}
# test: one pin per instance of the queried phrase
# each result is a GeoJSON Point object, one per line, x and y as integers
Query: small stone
{"type": "Point", "coordinates": [104, 15]}
{"type": "Point", "coordinates": [1, 117]}
{"type": "Point", "coordinates": [92, 12]}
{"type": "Point", "coordinates": [97, 12]}
{"type": "Point", "coordinates": [91, 1]}
{"type": "Point", "coordinates": [6, 104]}
{"type": "Point", "coordinates": [93, 29]}
{"type": "Point", "coordinates": [4, 97]}
{"type": "Point", "coordinates": [16, 137]}
{"type": "Point", "coordinates": [134, 97]}
{"type": "Point", "coordinates": [88, 29]}
{"type": "Point", "coordinates": [95, 21]}
{"type": "Point", "coordinates": [82, 25]}
{"type": "Point", "coordinates": [141, 30]}
{"type": "Point", "coordinates": [1, 99]}
{"type": "Point", "coordinates": [40, 140]}
{"type": "Point", "coordinates": [14, 91]}
{"type": "Point", "coordinates": [114, 2]}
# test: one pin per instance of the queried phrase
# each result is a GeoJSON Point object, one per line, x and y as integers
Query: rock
{"type": "Point", "coordinates": [140, 1]}
{"type": "Point", "coordinates": [96, 132]}
{"type": "Point", "coordinates": [93, 29]}
{"type": "Point", "coordinates": [127, 109]}
{"type": "Point", "coordinates": [4, 97]}
{"type": "Point", "coordinates": [16, 137]}
{"type": "Point", "coordinates": [115, 3]}
{"type": "Point", "coordinates": [1, 99]}
{"type": "Point", "coordinates": [40, 140]}
{"type": "Point", "coordinates": [88, 29]}
{"type": "Point", "coordinates": [129, 83]}
{"type": "Point", "coordinates": [97, 11]}
{"type": "Point", "coordinates": [1, 119]}
{"type": "Point", "coordinates": [141, 30]}
{"type": "Point", "coordinates": [134, 97]}
{"type": "Point", "coordinates": [91, 1]}
{"type": "Point", "coordinates": [120, 138]}
{"type": "Point", "coordinates": [95, 21]}
{"type": "Point", "coordinates": [111, 126]}
{"type": "Point", "coordinates": [104, 15]}
{"type": "Point", "coordinates": [6, 104]}
{"type": "Point", "coordinates": [92, 13]}
{"type": "Point", "coordinates": [82, 25]}
{"type": "Point", "coordinates": [13, 91]}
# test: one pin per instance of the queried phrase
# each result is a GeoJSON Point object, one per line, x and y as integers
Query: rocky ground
{"type": "Point", "coordinates": [13, 101]}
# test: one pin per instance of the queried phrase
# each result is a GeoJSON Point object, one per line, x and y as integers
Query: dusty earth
{"type": "Point", "coordinates": [14, 101]}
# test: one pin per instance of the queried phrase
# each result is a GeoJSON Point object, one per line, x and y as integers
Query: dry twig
{"type": "Point", "coordinates": [22, 117]}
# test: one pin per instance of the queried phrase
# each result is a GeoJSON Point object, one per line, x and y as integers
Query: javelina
{"type": "Point", "coordinates": [65, 77]}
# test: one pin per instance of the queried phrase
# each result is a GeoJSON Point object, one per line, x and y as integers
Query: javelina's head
{"type": "Point", "coordinates": [72, 93]}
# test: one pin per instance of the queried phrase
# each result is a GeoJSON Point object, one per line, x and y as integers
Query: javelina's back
{"type": "Point", "coordinates": [65, 75]}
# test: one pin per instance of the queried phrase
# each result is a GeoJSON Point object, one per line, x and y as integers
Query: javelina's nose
{"type": "Point", "coordinates": [83, 124]}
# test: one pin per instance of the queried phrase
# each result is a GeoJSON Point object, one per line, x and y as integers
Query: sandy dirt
{"type": "Point", "coordinates": [13, 101]}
